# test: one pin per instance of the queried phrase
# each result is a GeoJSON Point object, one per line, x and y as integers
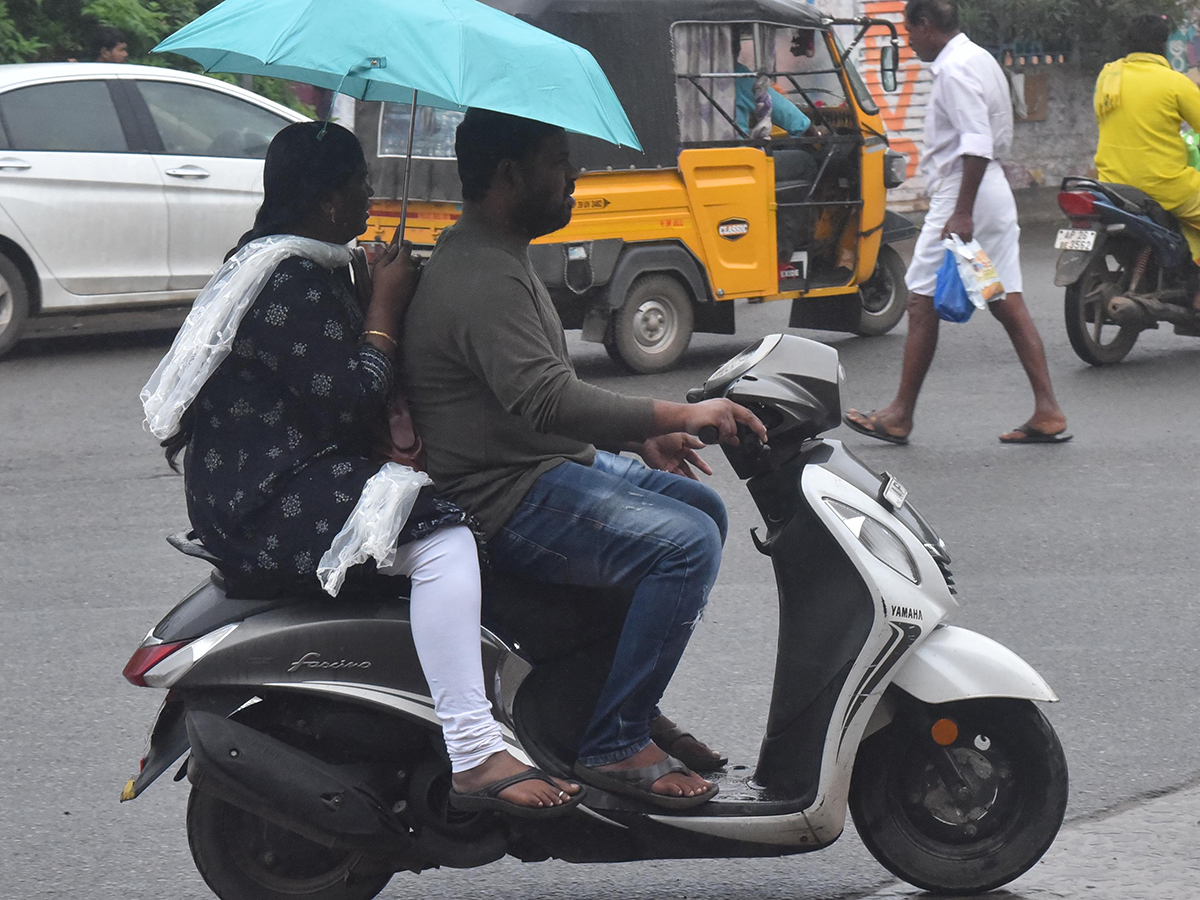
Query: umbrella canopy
{"type": "Point", "coordinates": [454, 53]}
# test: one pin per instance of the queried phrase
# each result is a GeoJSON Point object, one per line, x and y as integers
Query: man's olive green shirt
{"type": "Point", "coordinates": [486, 372]}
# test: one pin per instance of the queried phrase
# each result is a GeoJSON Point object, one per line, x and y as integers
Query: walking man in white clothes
{"type": "Point", "coordinates": [968, 126]}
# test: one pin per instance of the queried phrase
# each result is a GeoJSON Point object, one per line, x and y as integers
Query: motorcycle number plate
{"type": "Point", "coordinates": [1075, 239]}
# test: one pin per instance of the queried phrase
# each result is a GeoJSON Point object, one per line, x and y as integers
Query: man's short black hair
{"type": "Point", "coordinates": [1148, 33]}
{"type": "Point", "coordinates": [941, 14]}
{"type": "Point", "coordinates": [484, 138]}
{"type": "Point", "coordinates": [105, 37]}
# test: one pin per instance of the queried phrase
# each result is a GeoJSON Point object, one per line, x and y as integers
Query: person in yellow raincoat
{"type": "Point", "coordinates": [1140, 103]}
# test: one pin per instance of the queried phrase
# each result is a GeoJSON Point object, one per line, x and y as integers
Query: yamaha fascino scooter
{"type": "Point", "coordinates": [318, 769]}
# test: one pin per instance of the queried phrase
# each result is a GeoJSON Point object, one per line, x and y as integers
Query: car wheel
{"type": "Point", "coordinates": [14, 304]}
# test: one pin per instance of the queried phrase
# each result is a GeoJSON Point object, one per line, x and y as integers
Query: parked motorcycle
{"type": "Point", "coordinates": [1126, 267]}
{"type": "Point", "coordinates": [318, 769]}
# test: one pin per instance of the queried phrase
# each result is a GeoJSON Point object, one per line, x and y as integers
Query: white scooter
{"type": "Point", "coordinates": [318, 769]}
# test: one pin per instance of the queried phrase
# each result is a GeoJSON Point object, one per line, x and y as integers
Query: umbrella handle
{"type": "Point", "coordinates": [398, 237]}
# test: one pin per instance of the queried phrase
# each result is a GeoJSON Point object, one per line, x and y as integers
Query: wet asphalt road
{"type": "Point", "coordinates": [1079, 557]}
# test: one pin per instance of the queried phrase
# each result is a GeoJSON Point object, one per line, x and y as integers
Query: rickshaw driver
{"type": "Point", "coordinates": [510, 433]}
{"type": "Point", "coordinates": [784, 113]}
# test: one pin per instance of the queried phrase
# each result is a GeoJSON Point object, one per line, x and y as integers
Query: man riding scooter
{"type": "Point", "coordinates": [510, 433]}
{"type": "Point", "coordinates": [1140, 103]}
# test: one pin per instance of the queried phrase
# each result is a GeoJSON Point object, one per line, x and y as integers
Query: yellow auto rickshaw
{"type": "Point", "coordinates": [763, 176]}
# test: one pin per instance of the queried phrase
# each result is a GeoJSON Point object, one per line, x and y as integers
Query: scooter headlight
{"type": "Point", "coordinates": [881, 541]}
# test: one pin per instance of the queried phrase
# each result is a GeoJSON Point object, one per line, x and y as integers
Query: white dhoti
{"type": "Point", "coordinates": [996, 229]}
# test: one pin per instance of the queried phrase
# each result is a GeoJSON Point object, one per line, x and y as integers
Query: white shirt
{"type": "Point", "coordinates": [969, 112]}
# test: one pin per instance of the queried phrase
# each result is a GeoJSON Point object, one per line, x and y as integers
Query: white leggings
{"type": "Point", "coordinates": [444, 611]}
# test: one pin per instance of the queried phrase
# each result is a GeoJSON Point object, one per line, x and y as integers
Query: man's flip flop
{"type": "Point", "coordinates": [639, 783]}
{"type": "Point", "coordinates": [684, 746]}
{"type": "Point", "coordinates": [1031, 435]}
{"type": "Point", "coordinates": [873, 428]}
{"type": "Point", "coordinates": [488, 799]}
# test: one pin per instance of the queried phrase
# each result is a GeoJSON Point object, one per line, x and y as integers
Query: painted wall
{"type": "Point", "coordinates": [904, 109]}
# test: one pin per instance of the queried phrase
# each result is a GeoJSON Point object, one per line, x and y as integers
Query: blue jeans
{"type": "Point", "coordinates": [621, 524]}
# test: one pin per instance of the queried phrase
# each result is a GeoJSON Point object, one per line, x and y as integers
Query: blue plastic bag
{"type": "Point", "coordinates": [950, 296]}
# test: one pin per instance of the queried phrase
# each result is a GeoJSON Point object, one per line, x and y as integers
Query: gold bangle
{"type": "Point", "coordinates": [387, 337]}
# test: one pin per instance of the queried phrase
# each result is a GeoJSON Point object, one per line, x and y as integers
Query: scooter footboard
{"type": "Point", "coordinates": [958, 664]}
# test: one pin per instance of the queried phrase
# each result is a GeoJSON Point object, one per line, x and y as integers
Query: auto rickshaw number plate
{"type": "Point", "coordinates": [1075, 239]}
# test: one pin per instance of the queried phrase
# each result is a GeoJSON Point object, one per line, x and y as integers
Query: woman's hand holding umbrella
{"type": "Point", "coordinates": [393, 282]}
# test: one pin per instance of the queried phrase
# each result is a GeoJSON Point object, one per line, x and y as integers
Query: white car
{"type": "Point", "coordinates": [121, 187]}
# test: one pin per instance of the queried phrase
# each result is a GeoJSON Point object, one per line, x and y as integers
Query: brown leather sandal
{"type": "Point", "coordinates": [684, 746]}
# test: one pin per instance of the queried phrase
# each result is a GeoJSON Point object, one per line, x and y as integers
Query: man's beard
{"type": "Point", "coordinates": [537, 219]}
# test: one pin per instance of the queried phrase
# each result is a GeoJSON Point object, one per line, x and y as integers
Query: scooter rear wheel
{"type": "Point", "coordinates": [966, 816]}
{"type": "Point", "coordinates": [243, 857]}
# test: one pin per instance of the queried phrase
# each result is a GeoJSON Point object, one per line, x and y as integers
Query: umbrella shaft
{"type": "Point", "coordinates": [412, 130]}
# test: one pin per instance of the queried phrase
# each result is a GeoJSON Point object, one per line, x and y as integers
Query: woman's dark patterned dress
{"type": "Point", "coordinates": [282, 430]}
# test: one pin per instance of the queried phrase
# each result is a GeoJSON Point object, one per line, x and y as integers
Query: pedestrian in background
{"type": "Point", "coordinates": [108, 44]}
{"type": "Point", "coordinates": [968, 126]}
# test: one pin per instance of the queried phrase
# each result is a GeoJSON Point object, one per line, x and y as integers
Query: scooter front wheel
{"type": "Point", "coordinates": [243, 857]}
{"type": "Point", "coordinates": [960, 798]}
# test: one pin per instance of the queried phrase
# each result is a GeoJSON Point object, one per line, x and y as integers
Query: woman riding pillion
{"type": "Point", "coordinates": [276, 388]}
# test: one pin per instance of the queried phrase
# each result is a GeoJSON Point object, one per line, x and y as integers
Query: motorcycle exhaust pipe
{"type": "Point", "coordinates": [289, 788]}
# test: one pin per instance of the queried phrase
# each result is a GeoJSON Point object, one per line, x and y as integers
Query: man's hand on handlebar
{"type": "Point", "coordinates": [720, 419]}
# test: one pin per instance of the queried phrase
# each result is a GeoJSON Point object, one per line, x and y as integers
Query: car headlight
{"type": "Point", "coordinates": [881, 541]}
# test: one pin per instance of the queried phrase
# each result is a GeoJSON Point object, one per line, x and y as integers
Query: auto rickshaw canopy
{"type": "Point", "coordinates": [632, 41]}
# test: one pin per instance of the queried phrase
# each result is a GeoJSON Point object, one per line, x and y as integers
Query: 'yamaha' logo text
{"type": "Point", "coordinates": [906, 612]}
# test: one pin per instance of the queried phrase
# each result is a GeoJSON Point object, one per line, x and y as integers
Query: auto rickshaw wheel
{"type": "Point", "coordinates": [653, 326]}
{"type": "Point", "coordinates": [883, 296]}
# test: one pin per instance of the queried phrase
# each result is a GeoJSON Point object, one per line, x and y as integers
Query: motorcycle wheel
{"type": "Point", "coordinates": [243, 857]}
{"type": "Point", "coordinates": [883, 296]}
{"type": "Point", "coordinates": [1015, 778]}
{"type": "Point", "coordinates": [1095, 338]}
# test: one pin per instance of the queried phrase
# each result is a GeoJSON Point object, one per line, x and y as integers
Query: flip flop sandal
{"type": "Point", "coordinates": [1035, 436]}
{"type": "Point", "coordinates": [685, 747]}
{"type": "Point", "coordinates": [873, 428]}
{"type": "Point", "coordinates": [488, 799]}
{"type": "Point", "coordinates": [639, 783]}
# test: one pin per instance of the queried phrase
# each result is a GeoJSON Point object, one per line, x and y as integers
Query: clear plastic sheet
{"type": "Point", "coordinates": [374, 526]}
{"type": "Point", "coordinates": [207, 335]}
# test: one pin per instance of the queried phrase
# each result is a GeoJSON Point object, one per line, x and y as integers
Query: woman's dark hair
{"type": "Point", "coordinates": [305, 163]}
{"type": "Point", "coordinates": [1148, 33]}
{"type": "Point", "coordinates": [484, 138]}
{"type": "Point", "coordinates": [941, 14]}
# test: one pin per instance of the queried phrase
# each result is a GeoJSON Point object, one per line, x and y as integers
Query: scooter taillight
{"type": "Point", "coordinates": [146, 658]}
{"type": "Point", "coordinates": [1077, 204]}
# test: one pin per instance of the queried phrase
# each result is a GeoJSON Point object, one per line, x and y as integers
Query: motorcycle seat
{"type": "Point", "coordinates": [1129, 198]}
{"type": "Point", "coordinates": [1142, 201]}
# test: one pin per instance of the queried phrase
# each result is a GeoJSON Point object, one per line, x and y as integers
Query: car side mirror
{"type": "Point", "coordinates": [889, 62]}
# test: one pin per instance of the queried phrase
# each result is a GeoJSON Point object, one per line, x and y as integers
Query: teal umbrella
{"type": "Point", "coordinates": [449, 54]}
